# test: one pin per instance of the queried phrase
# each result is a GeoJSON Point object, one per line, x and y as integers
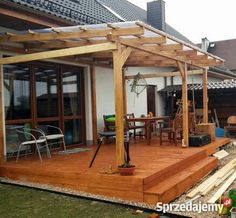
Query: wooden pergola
{"type": "Point", "coordinates": [115, 45]}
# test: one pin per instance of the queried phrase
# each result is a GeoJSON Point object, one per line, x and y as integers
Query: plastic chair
{"type": "Point", "coordinates": [27, 139]}
{"type": "Point", "coordinates": [59, 136]}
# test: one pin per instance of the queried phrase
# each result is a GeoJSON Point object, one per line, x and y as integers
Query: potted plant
{"type": "Point", "coordinates": [127, 168]}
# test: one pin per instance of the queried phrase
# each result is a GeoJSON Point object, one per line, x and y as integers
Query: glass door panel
{"type": "Point", "coordinates": [73, 132]}
{"type": "Point", "coordinates": [46, 92]}
{"type": "Point", "coordinates": [17, 92]}
{"type": "Point", "coordinates": [71, 93]}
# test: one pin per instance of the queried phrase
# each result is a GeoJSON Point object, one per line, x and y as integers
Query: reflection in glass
{"type": "Point", "coordinates": [49, 131]}
{"type": "Point", "coordinates": [73, 132]}
{"type": "Point", "coordinates": [12, 142]}
{"type": "Point", "coordinates": [17, 92]}
{"type": "Point", "coordinates": [71, 93]}
{"type": "Point", "coordinates": [46, 92]}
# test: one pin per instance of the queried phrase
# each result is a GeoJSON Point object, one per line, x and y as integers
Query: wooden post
{"type": "Point", "coordinates": [185, 107]}
{"type": "Point", "coordinates": [94, 103]}
{"type": "Point", "coordinates": [184, 75]}
{"type": "Point", "coordinates": [205, 96]}
{"type": "Point", "coordinates": [2, 120]}
{"type": "Point", "coordinates": [119, 105]}
{"type": "Point", "coordinates": [124, 93]}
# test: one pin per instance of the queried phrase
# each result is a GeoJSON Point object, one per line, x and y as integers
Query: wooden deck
{"type": "Point", "coordinates": [162, 173]}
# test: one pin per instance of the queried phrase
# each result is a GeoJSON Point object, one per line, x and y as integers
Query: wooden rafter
{"type": "Point", "coordinates": [59, 53]}
{"type": "Point", "coordinates": [163, 54]}
{"type": "Point", "coordinates": [190, 46]}
{"type": "Point", "coordinates": [63, 44]}
{"type": "Point", "coordinates": [70, 35]}
{"type": "Point", "coordinates": [164, 74]}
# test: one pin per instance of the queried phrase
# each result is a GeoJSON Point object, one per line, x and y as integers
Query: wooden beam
{"type": "Point", "coordinates": [125, 54]}
{"type": "Point", "coordinates": [124, 92]}
{"type": "Point", "coordinates": [205, 96]}
{"type": "Point", "coordinates": [190, 46]}
{"type": "Point", "coordinates": [94, 103]}
{"type": "Point", "coordinates": [59, 53]}
{"type": "Point", "coordinates": [119, 105]}
{"type": "Point", "coordinates": [60, 44]}
{"type": "Point", "coordinates": [215, 178]}
{"type": "Point", "coordinates": [72, 35]}
{"type": "Point", "coordinates": [185, 104]}
{"type": "Point", "coordinates": [222, 189]}
{"type": "Point", "coordinates": [165, 54]}
{"type": "Point", "coordinates": [181, 69]}
{"type": "Point", "coordinates": [2, 119]}
{"type": "Point", "coordinates": [165, 74]}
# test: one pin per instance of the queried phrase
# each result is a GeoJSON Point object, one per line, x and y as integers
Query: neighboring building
{"type": "Point", "coordinates": [226, 49]}
{"type": "Point", "coordinates": [73, 113]}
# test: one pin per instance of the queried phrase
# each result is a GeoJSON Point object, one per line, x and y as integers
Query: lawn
{"type": "Point", "coordinates": [26, 202]}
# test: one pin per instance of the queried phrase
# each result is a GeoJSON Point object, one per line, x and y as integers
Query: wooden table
{"type": "Point", "coordinates": [148, 121]}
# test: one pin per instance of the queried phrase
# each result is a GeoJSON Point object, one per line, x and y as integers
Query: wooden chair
{"type": "Point", "coordinates": [174, 127]}
{"type": "Point", "coordinates": [231, 125]}
{"type": "Point", "coordinates": [132, 125]}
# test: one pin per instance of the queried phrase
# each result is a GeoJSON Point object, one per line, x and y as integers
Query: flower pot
{"type": "Point", "coordinates": [126, 171]}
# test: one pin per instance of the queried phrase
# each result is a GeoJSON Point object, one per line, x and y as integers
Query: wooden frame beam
{"type": "Point", "coordinates": [205, 96]}
{"type": "Point", "coordinates": [94, 103]}
{"type": "Point", "coordinates": [59, 53]}
{"type": "Point", "coordinates": [124, 92]}
{"type": "Point", "coordinates": [119, 105]}
{"type": "Point", "coordinates": [188, 45]}
{"type": "Point", "coordinates": [165, 74]}
{"type": "Point", "coordinates": [162, 54]}
{"type": "Point", "coordinates": [183, 70]}
{"type": "Point", "coordinates": [2, 119]}
{"type": "Point", "coordinates": [70, 35]}
{"type": "Point", "coordinates": [63, 44]}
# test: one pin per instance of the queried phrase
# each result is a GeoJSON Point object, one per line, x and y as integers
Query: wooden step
{"type": "Point", "coordinates": [179, 183]}
{"type": "Point", "coordinates": [164, 174]}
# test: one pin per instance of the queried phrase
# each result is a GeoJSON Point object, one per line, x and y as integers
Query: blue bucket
{"type": "Point", "coordinates": [220, 132]}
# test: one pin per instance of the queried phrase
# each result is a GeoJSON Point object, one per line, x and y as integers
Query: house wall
{"type": "Point", "coordinates": [136, 105]}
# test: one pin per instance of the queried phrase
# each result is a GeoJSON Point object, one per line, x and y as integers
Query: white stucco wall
{"type": "Point", "coordinates": [136, 105]}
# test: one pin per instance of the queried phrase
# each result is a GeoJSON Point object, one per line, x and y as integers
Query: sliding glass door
{"type": "Point", "coordinates": [41, 94]}
{"type": "Point", "coordinates": [73, 106]}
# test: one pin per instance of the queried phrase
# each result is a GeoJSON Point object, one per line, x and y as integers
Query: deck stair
{"type": "Point", "coordinates": [166, 186]}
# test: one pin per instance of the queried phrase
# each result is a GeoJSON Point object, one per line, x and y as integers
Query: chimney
{"type": "Point", "coordinates": [156, 14]}
{"type": "Point", "coordinates": [205, 44]}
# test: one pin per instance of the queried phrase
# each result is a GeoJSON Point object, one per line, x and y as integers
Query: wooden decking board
{"type": "Point", "coordinates": [172, 169]}
{"type": "Point", "coordinates": [179, 183]}
{"type": "Point", "coordinates": [154, 165]}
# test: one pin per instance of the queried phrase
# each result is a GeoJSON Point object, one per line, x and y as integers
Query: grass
{"type": "Point", "coordinates": [26, 202]}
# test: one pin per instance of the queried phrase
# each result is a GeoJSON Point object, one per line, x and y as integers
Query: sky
{"type": "Point", "coordinates": [196, 19]}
